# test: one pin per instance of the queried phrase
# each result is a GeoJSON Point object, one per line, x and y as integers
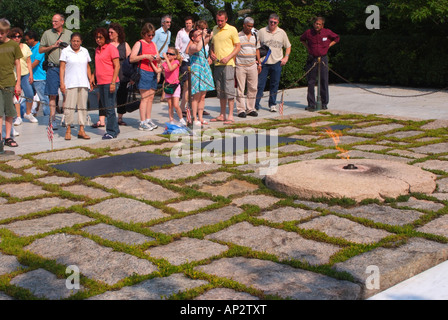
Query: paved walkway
{"type": "Point", "coordinates": [214, 231]}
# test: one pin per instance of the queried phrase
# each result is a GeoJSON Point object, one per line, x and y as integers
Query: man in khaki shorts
{"type": "Point", "coordinates": [10, 55]}
{"type": "Point", "coordinates": [225, 46]}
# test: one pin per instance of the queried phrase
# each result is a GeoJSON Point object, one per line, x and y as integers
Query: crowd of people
{"type": "Point", "coordinates": [59, 64]}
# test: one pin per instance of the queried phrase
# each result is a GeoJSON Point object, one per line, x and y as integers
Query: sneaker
{"type": "Point", "coordinates": [15, 133]}
{"type": "Point", "coordinates": [18, 121]}
{"type": "Point", "coordinates": [182, 122]}
{"type": "Point", "coordinates": [273, 108]}
{"type": "Point", "coordinates": [310, 108]}
{"type": "Point", "coordinates": [324, 107]}
{"type": "Point", "coordinates": [253, 114]}
{"type": "Point", "coordinates": [30, 118]}
{"type": "Point", "coordinates": [144, 127]}
{"type": "Point", "coordinates": [242, 114]}
{"type": "Point", "coordinates": [197, 123]}
{"type": "Point", "coordinates": [151, 124]}
{"type": "Point", "coordinates": [107, 136]}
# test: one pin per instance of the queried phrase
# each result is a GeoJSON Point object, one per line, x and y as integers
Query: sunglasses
{"type": "Point", "coordinates": [16, 37]}
{"type": "Point", "coordinates": [273, 22]}
{"type": "Point", "coordinates": [170, 54]}
{"type": "Point", "coordinates": [149, 35]}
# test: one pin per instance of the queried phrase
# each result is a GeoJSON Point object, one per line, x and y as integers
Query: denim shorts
{"type": "Point", "coordinates": [26, 87]}
{"type": "Point", "coordinates": [148, 80]}
{"type": "Point", "coordinates": [53, 82]}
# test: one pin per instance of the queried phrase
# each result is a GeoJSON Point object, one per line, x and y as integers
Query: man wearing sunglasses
{"type": "Point", "coordinates": [162, 40]}
{"type": "Point", "coordinates": [276, 39]}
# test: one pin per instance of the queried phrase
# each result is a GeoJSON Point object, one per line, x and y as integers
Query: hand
{"type": "Point", "coordinates": [259, 68]}
{"type": "Point", "coordinates": [112, 87]}
{"type": "Point", "coordinates": [213, 56]}
{"type": "Point", "coordinates": [31, 79]}
{"type": "Point", "coordinates": [62, 87]}
{"type": "Point", "coordinates": [284, 61]}
{"type": "Point", "coordinates": [165, 56]}
{"type": "Point", "coordinates": [18, 90]}
{"type": "Point", "coordinates": [224, 60]}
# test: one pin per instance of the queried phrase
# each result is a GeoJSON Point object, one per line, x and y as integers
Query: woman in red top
{"type": "Point", "coordinates": [107, 66]}
{"type": "Point", "coordinates": [148, 77]}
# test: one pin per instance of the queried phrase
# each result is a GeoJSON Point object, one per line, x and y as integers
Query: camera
{"type": "Point", "coordinates": [63, 45]}
{"type": "Point", "coordinates": [209, 31]}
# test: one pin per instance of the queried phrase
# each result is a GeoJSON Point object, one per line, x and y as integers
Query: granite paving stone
{"type": "Point", "coordinates": [190, 205]}
{"type": "Point", "coordinates": [382, 128]}
{"type": "Point", "coordinates": [90, 192]}
{"type": "Point", "coordinates": [421, 204]}
{"type": "Point", "coordinates": [69, 154]}
{"type": "Point", "coordinates": [434, 165]}
{"type": "Point", "coordinates": [44, 284]}
{"type": "Point", "coordinates": [406, 153]}
{"type": "Point", "coordinates": [442, 185]}
{"type": "Point", "coordinates": [45, 224]}
{"type": "Point", "coordinates": [343, 140]}
{"type": "Point", "coordinates": [23, 190]}
{"type": "Point", "coordinates": [153, 289]}
{"type": "Point", "coordinates": [284, 244]}
{"type": "Point", "coordinates": [9, 175]}
{"type": "Point", "coordinates": [287, 214]}
{"type": "Point", "coordinates": [343, 228]}
{"type": "Point", "coordinates": [93, 260]}
{"type": "Point", "coordinates": [139, 188]}
{"type": "Point", "coordinates": [35, 171]}
{"type": "Point", "coordinates": [381, 214]}
{"type": "Point", "coordinates": [56, 180]}
{"type": "Point", "coordinates": [293, 148]}
{"type": "Point", "coordinates": [394, 264]}
{"type": "Point", "coordinates": [9, 263]}
{"type": "Point", "coordinates": [229, 188]}
{"type": "Point", "coordinates": [182, 171]}
{"type": "Point", "coordinates": [404, 134]}
{"type": "Point", "coordinates": [432, 148]}
{"type": "Point", "coordinates": [370, 147]}
{"type": "Point", "coordinates": [113, 144]}
{"type": "Point", "coordinates": [226, 294]}
{"type": "Point", "coordinates": [304, 137]}
{"type": "Point", "coordinates": [209, 178]}
{"type": "Point", "coordinates": [19, 163]}
{"type": "Point", "coordinates": [260, 200]}
{"type": "Point", "coordinates": [196, 221]}
{"type": "Point", "coordinates": [13, 210]}
{"type": "Point", "coordinates": [128, 210]}
{"type": "Point", "coordinates": [287, 130]}
{"type": "Point", "coordinates": [282, 280]}
{"type": "Point", "coordinates": [377, 156]}
{"type": "Point", "coordinates": [145, 148]}
{"type": "Point", "coordinates": [4, 297]}
{"type": "Point", "coordinates": [437, 226]}
{"type": "Point", "coordinates": [113, 233]}
{"type": "Point", "coordinates": [187, 250]}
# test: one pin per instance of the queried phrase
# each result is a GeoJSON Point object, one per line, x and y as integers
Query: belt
{"type": "Point", "coordinates": [52, 65]}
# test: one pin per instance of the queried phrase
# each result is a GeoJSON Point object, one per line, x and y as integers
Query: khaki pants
{"type": "Point", "coordinates": [76, 97]}
{"type": "Point", "coordinates": [246, 75]}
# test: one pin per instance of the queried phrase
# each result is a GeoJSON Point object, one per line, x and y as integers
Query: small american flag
{"type": "Point", "coordinates": [281, 104]}
{"type": "Point", "coordinates": [188, 114]}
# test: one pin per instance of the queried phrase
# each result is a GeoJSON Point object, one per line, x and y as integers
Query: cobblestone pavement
{"type": "Point", "coordinates": [215, 231]}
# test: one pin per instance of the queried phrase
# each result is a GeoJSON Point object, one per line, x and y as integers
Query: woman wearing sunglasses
{"type": "Point", "coordinates": [147, 85]}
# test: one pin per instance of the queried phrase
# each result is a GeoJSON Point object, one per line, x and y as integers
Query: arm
{"type": "Point", "coordinates": [258, 61]}
{"type": "Point", "coordinates": [286, 57]}
{"type": "Point", "coordinates": [236, 49]}
{"type": "Point", "coordinates": [128, 49]}
{"type": "Point", "coordinates": [30, 69]}
{"type": "Point", "coordinates": [62, 76]}
{"type": "Point", "coordinates": [171, 66]}
{"type": "Point", "coordinates": [134, 54]}
{"type": "Point", "coordinates": [18, 87]}
{"type": "Point", "coordinates": [116, 62]}
{"type": "Point", "coordinates": [90, 76]}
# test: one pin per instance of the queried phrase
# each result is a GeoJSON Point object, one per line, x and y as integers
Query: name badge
{"type": "Point", "coordinates": [324, 39]}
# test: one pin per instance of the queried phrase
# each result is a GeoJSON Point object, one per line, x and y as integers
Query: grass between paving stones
{"type": "Point", "coordinates": [12, 244]}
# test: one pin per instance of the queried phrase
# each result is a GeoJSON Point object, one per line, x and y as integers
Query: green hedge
{"type": "Point", "coordinates": [392, 60]}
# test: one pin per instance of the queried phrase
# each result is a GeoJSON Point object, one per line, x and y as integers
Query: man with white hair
{"type": "Point", "coordinates": [247, 69]}
{"type": "Point", "coordinates": [162, 40]}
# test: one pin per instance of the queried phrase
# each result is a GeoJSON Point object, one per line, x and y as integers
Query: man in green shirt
{"type": "Point", "coordinates": [52, 42]}
{"type": "Point", "coordinates": [10, 55]}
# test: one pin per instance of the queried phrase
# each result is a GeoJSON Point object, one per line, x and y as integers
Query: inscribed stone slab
{"type": "Point", "coordinates": [49, 223]}
{"type": "Point", "coordinates": [44, 284]}
{"type": "Point", "coordinates": [197, 220]}
{"type": "Point", "coordinates": [13, 210]}
{"type": "Point", "coordinates": [285, 245]}
{"type": "Point", "coordinates": [278, 279]}
{"type": "Point", "coordinates": [93, 260]}
{"type": "Point", "coordinates": [139, 188]}
{"type": "Point", "coordinates": [153, 289]}
{"type": "Point", "coordinates": [187, 250]}
{"type": "Point", "coordinates": [342, 228]}
{"type": "Point", "coordinates": [128, 210]}
{"type": "Point", "coordinates": [113, 233]}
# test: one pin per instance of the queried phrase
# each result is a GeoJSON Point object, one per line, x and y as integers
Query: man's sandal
{"type": "Point", "coordinates": [11, 143]}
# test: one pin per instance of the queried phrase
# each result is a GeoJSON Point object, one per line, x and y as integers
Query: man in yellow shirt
{"type": "Point", "coordinates": [224, 47]}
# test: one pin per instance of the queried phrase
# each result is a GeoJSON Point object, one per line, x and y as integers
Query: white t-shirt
{"type": "Point", "coordinates": [76, 67]}
{"type": "Point", "coordinates": [181, 44]}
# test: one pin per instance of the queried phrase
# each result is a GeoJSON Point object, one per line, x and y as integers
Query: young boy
{"type": "Point", "coordinates": [10, 55]}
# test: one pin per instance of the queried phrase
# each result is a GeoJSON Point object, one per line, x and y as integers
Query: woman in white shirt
{"type": "Point", "coordinates": [76, 77]}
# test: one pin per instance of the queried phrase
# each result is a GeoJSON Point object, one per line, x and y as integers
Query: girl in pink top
{"type": "Point", "coordinates": [173, 60]}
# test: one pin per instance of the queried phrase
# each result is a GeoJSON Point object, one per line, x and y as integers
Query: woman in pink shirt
{"type": "Point", "coordinates": [147, 85]}
{"type": "Point", "coordinates": [107, 66]}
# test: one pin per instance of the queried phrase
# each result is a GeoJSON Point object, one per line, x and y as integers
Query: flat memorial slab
{"type": "Point", "coordinates": [115, 164]}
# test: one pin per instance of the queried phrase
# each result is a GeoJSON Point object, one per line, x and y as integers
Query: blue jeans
{"type": "Point", "coordinates": [108, 102]}
{"type": "Point", "coordinates": [39, 88]}
{"type": "Point", "coordinates": [274, 72]}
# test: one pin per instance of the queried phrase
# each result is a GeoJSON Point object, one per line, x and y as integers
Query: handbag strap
{"type": "Point", "coordinates": [166, 40]}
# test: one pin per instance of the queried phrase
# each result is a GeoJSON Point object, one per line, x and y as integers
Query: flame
{"type": "Point", "coordinates": [336, 139]}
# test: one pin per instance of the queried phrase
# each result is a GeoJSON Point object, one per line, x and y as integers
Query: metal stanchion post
{"type": "Point", "coordinates": [189, 87]}
{"type": "Point", "coordinates": [319, 98]}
